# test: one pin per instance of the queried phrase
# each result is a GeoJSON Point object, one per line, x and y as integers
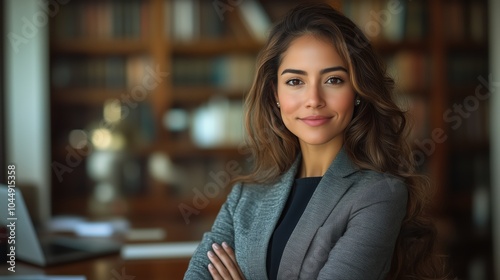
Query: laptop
{"type": "Point", "coordinates": [44, 252]}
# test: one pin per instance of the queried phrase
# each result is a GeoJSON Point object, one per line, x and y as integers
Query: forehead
{"type": "Point", "coordinates": [310, 50]}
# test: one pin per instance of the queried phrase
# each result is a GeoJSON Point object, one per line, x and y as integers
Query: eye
{"type": "Point", "coordinates": [334, 80]}
{"type": "Point", "coordinates": [294, 82]}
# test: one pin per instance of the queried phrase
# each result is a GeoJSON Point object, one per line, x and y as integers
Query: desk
{"type": "Point", "coordinates": [113, 267]}
{"type": "Point", "coordinates": [110, 268]}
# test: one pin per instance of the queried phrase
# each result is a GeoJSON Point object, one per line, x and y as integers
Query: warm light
{"type": "Point", "coordinates": [118, 141]}
{"type": "Point", "coordinates": [100, 165]}
{"type": "Point", "coordinates": [112, 111]}
{"type": "Point", "coordinates": [101, 138]}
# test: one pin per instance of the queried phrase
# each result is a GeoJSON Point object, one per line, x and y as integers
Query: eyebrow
{"type": "Point", "coordinates": [323, 71]}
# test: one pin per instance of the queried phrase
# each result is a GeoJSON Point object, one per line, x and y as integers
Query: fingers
{"type": "Point", "coordinates": [229, 251]}
{"type": "Point", "coordinates": [213, 271]}
{"type": "Point", "coordinates": [223, 263]}
{"type": "Point", "coordinates": [232, 255]}
{"type": "Point", "coordinates": [218, 268]}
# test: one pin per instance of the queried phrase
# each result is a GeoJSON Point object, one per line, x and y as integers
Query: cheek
{"type": "Point", "coordinates": [288, 106]}
{"type": "Point", "coordinates": [343, 104]}
{"type": "Point", "coordinates": [347, 107]}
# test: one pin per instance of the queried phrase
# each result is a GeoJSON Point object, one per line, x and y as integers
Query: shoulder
{"type": "Point", "coordinates": [370, 185]}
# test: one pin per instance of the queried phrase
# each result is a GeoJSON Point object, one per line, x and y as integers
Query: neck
{"type": "Point", "coordinates": [317, 158]}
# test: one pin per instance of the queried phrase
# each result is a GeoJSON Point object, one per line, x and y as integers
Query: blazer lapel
{"type": "Point", "coordinates": [330, 190]}
{"type": "Point", "coordinates": [275, 198]}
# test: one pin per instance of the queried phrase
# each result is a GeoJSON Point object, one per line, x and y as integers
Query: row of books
{"type": "Point", "coordinates": [103, 19]}
{"type": "Point", "coordinates": [191, 20]}
{"type": "Point", "coordinates": [100, 72]}
{"type": "Point", "coordinates": [389, 20]}
{"type": "Point", "coordinates": [408, 20]}
{"type": "Point", "coordinates": [232, 72]}
{"type": "Point", "coordinates": [188, 20]}
{"type": "Point", "coordinates": [465, 20]}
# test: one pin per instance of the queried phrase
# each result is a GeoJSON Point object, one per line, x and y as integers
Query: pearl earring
{"type": "Point", "coordinates": [278, 104]}
{"type": "Point", "coordinates": [358, 101]}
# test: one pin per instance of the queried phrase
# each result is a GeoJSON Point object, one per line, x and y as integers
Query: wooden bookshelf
{"type": "Point", "coordinates": [100, 46]}
{"type": "Point", "coordinates": [460, 49]}
{"type": "Point", "coordinates": [423, 54]}
{"type": "Point", "coordinates": [216, 47]}
{"type": "Point", "coordinates": [91, 97]}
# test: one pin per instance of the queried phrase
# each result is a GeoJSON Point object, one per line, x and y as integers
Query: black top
{"type": "Point", "coordinates": [301, 193]}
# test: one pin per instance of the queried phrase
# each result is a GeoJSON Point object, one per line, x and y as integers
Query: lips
{"type": "Point", "coordinates": [315, 120]}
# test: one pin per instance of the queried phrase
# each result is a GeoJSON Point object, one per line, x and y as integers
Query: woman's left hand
{"type": "Point", "coordinates": [223, 265]}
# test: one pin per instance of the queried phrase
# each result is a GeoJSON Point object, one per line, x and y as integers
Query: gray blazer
{"type": "Point", "coordinates": [347, 231]}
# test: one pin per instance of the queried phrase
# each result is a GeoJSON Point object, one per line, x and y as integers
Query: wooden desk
{"type": "Point", "coordinates": [110, 268]}
{"type": "Point", "coordinates": [113, 267]}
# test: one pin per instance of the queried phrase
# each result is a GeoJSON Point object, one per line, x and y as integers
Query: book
{"type": "Point", "coordinates": [185, 20]}
{"type": "Point", "coordinates": [255, 18]}
{"type": "Point", "coordinates": [455, 21]}
{"type": "Point", "coordinates": [477, 20]}
{"type": "Point", "coordinates": [102, 19]}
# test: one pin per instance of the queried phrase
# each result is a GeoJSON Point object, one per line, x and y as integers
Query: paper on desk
{"type": "Point", "coordinates": [143, 234]}
{"type": "Point", "coordinates": [159, 250]}
{"type": "Point", "coordinates": [82, 227]}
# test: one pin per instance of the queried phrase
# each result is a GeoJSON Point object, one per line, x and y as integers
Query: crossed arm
{"type": "Point", "coordinates": [223, 264]}
{"type": "Point", "coordinates": [364, 250]}
{"type": "Point", "coordinates": [201, 265]}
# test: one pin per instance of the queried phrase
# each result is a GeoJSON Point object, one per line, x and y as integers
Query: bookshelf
{"type": "Point", "coordinates": [467, 115]}
{"type": "Point", "coordinates": [191, 60]}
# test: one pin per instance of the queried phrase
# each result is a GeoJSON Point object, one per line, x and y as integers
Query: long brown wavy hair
{"type": "Point", "coordinates": [375, 139]}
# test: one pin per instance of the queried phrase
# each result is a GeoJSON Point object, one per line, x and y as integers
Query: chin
{"type": "Point", "coordinates": [318, 142]}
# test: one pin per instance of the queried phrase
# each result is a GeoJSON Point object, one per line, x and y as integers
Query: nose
{"type": "Point", "coordinates": [314, 97]}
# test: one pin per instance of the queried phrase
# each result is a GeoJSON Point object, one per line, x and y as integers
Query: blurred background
{"type": "Point", "coordinates": [133, 109]}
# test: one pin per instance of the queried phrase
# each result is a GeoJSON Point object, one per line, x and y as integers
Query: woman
{"type": "Point", "coordinates": [333, 193]}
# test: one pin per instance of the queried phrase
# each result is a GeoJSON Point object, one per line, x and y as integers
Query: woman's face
{"type": "Point", "coordinates": [314, 92]}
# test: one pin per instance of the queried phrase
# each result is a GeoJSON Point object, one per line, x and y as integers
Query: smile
{"type": "Point", "coordinates": [315, 120]}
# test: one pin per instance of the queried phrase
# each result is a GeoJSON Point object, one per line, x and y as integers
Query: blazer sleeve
{"type": "Point", "coordinates": [365, 250]}
{"type": "Point", "coordinates": [222, 230]}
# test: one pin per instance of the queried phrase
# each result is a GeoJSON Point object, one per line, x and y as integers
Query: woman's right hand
{"type": "Point", "coordinates": [223, 264]}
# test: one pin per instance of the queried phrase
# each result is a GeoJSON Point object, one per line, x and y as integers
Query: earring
{"type": "Point", "coordinates": [278, 104]}
{"type": "Point", "coordinates": [358, 101]}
